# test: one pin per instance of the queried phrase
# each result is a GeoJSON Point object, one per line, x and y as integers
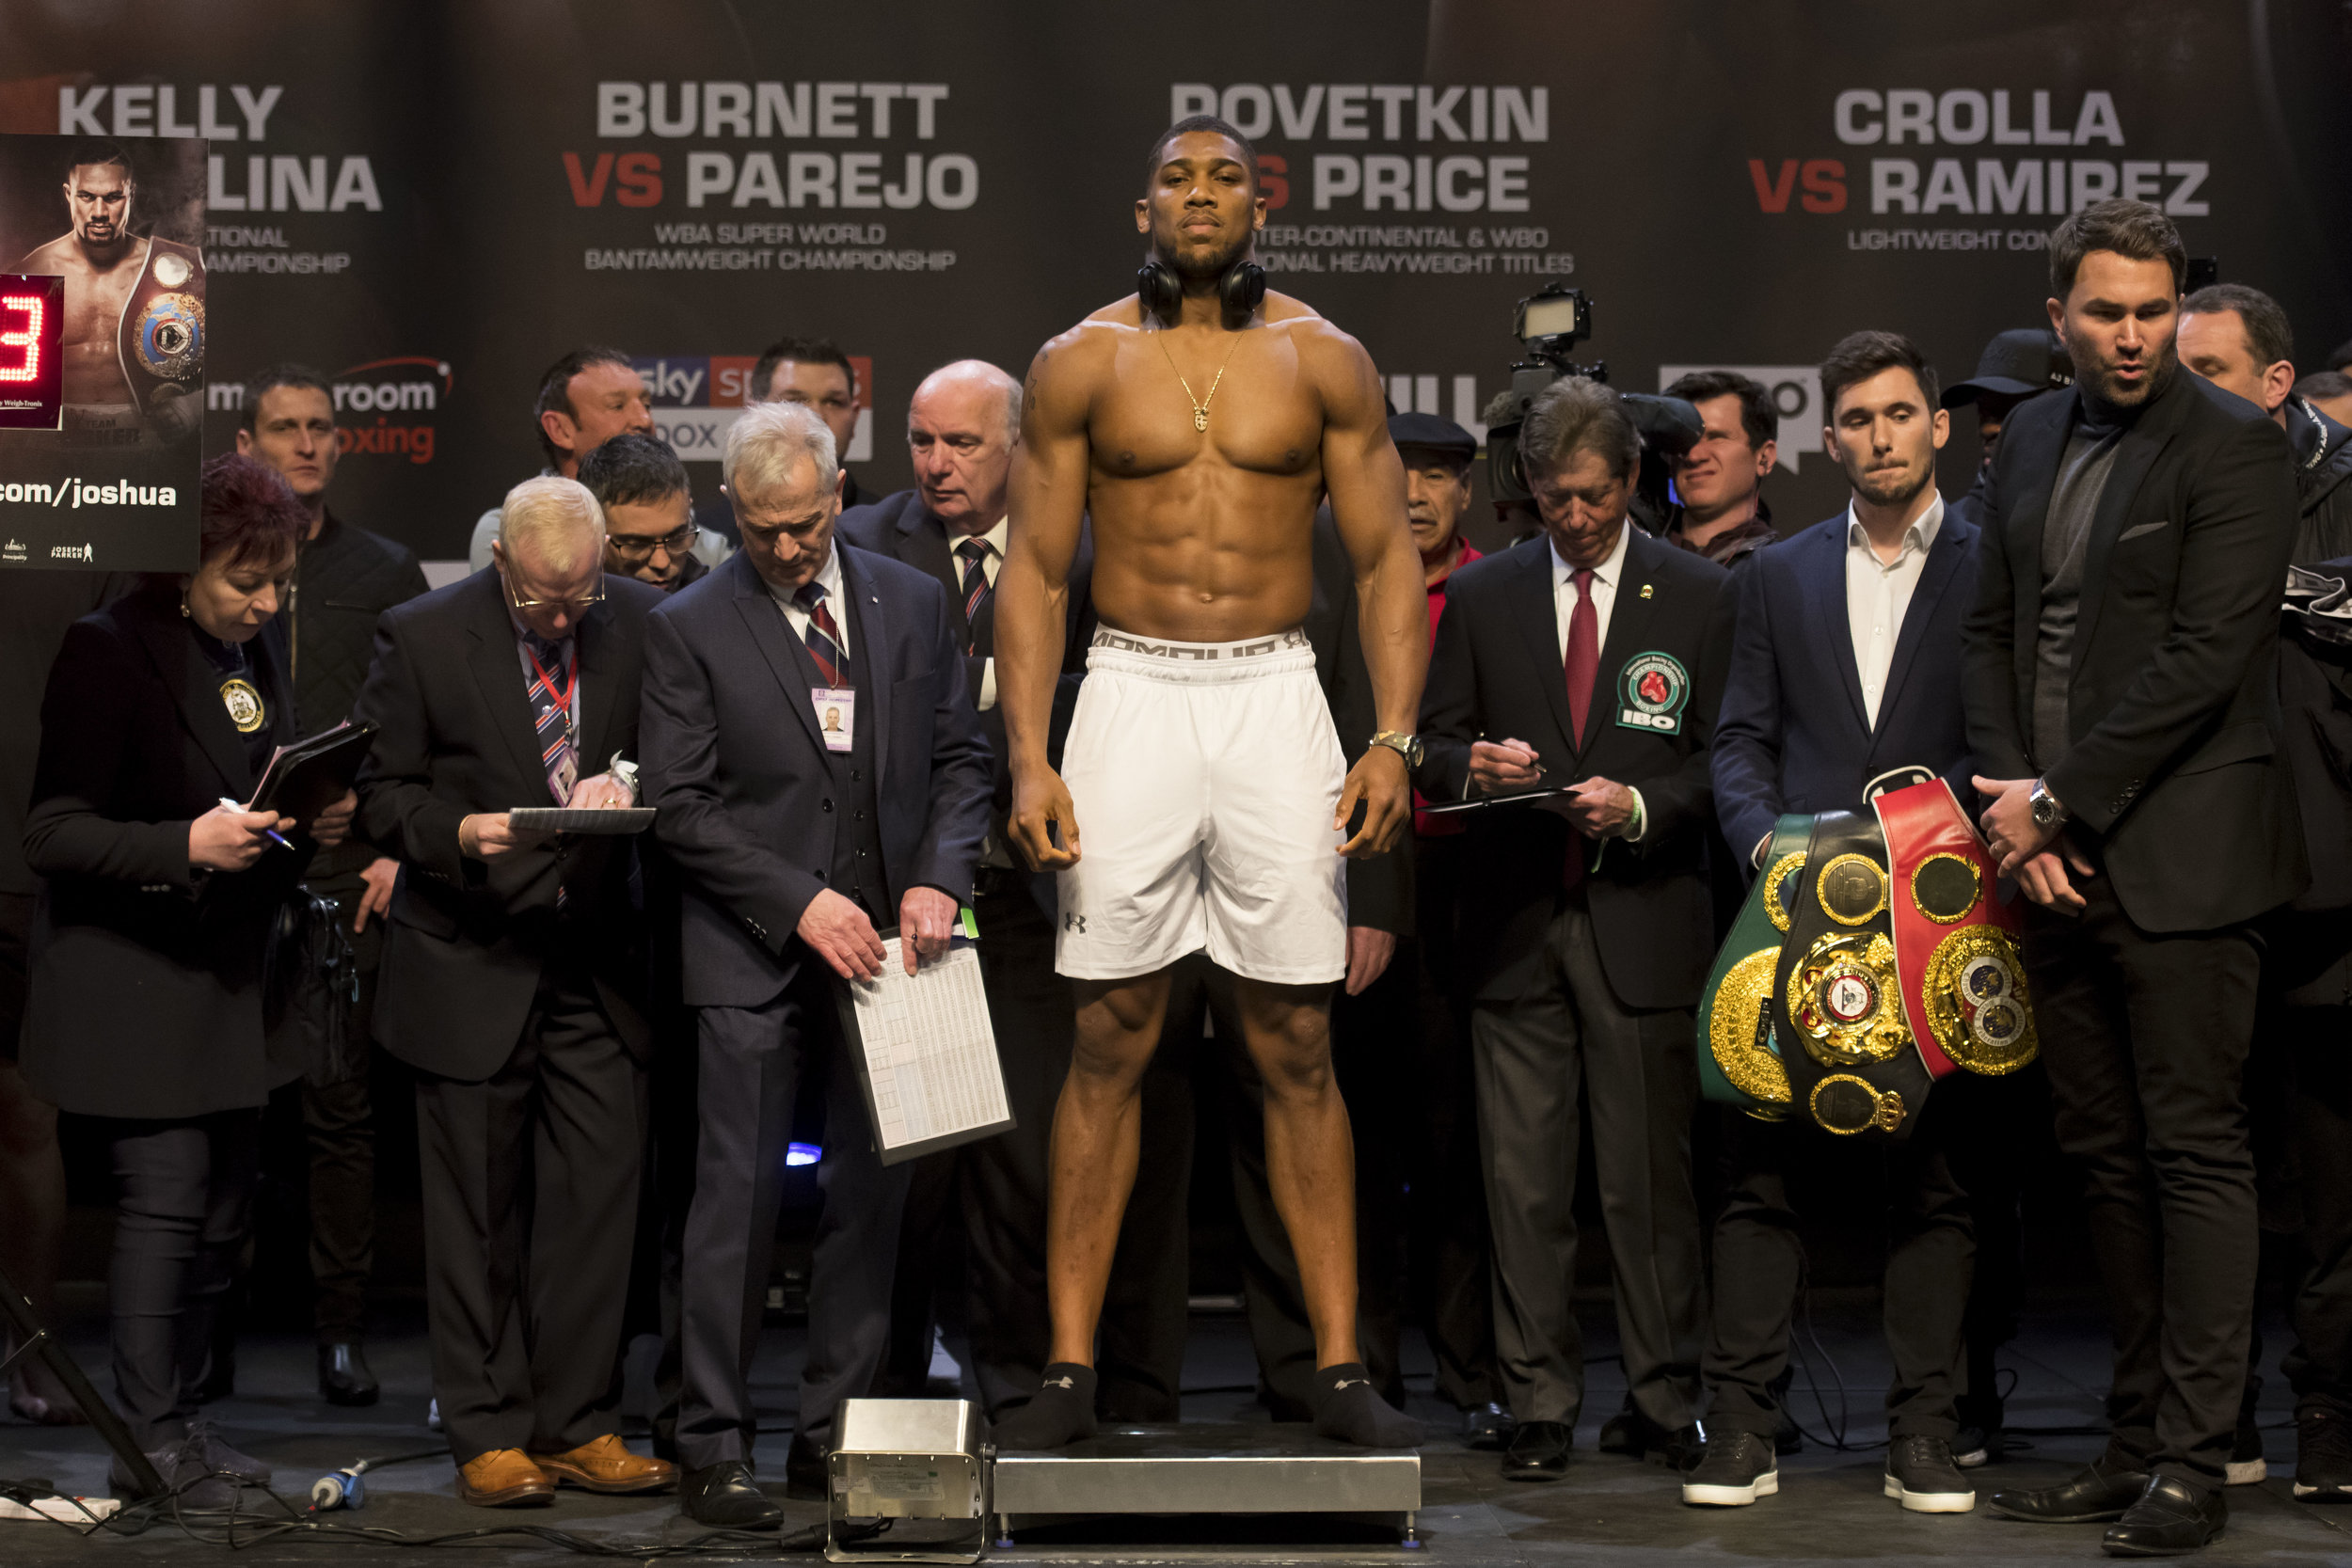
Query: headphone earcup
{"type": "Point", "coordinates": [1161, 290]}
{"type": "Point", "coordinates": [1242, 291]}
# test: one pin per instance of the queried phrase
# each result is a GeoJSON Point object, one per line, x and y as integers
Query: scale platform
{"type": "Point", "coordinates": [1254, 1467]}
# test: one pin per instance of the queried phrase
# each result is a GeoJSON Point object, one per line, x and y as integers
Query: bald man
{"type": "Point", "coordinates": [962, 426]}
{"type": "Point", "coordinates": [513, 982]}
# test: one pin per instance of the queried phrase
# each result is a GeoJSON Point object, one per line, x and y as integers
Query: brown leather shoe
{"type": "Point", "coordinates": [606, 1464]}
{"type": "Point", "coordinates": [504, 1478]}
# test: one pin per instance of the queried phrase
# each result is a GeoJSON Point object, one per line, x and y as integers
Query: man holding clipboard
{"type": "Point", "coordinates": [819, 774]}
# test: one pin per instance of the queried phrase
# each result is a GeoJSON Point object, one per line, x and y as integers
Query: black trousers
{"type": "Point", "coordinates": [338, 1128]}
{"type": "Point", "coordinates": [1759, 1263]}
{"type": "Point", "coordinates": [182, 1192]}
{"type": "Point", "coordinates": [1546, 1057]}
{"type": "Point", "coordinates": [531, 1181]}
{"type": "Point", "coordinates": [2305, 1044]}
{"type": "Point", "coordinates": [2145, 1038]}
{"type": "Point", "coordinates": [972, 1242]}
{"type": "Point", "coordinates": [751, 1060]}
{"type": "Point", "coordinates": [1402, 1054]}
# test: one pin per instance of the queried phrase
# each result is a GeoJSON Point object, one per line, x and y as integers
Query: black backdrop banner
{"type": "Point", "coordinates": [430, 203]}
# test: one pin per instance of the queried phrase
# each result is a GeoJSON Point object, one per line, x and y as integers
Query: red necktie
{"type": "Point", "coordinates": [1584, 658]}
{"type": "Point", "coordinates": [1583, 665]}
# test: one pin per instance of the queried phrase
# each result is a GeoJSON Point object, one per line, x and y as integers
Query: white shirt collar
{"type": "Point", "coordinates": [995, 538]}
{"type": "Point", "coordinates": [828, 575]}
{"type": "Point", "coordinates": [1608, 571]}
{"type": "Point", "coordinates": [1920, 535]}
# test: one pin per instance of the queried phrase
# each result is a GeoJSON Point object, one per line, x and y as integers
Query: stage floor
{"type": "Point", "coordinates": [1608, 1510]}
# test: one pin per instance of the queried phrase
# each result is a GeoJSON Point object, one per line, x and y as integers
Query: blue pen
{"type": "Point", "coordinates": [275, 837]}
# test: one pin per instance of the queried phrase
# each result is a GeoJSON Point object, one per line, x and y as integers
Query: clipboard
{"type": "Point", "coordinates": [304, 778]}
{"type": "Point", "coordinates": [924, 1050]}
{"type": "Point", "coordinates": [1480, 803]}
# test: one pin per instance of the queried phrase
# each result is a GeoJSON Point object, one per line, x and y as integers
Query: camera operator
{"type": "Point", "coordinates": [1721, 482]}
{"type": "Point", "coordinates": [2013, 367]}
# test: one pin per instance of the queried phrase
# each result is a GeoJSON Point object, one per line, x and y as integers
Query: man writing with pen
{"type": "Point", "coordinates": [1593, 656]}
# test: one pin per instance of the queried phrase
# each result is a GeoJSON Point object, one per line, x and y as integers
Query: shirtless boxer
{"type": "Point", "coordinates": [101, 263]}
{"type": "Point", "coordinates": [1204, 806]}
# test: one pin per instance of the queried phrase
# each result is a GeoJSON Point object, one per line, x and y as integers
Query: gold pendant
{"type": "Point", "coordinates": [1199, 419]}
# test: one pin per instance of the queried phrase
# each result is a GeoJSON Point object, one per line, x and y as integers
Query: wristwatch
{"type": "Point", "coordinates": [1406, 746]}
{"type": "Point", "coordinates": [2049, 812]}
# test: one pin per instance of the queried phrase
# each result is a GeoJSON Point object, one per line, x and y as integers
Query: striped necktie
{"type": "Point", "coordinates": [977, 590]}
{"type": "Point", "coordinates": [553, 679]}
{"type": "Point", "coordinates": [823, 637]}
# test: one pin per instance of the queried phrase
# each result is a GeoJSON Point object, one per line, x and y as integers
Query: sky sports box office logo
{"type": "Point", "coordinates": [697, 396]}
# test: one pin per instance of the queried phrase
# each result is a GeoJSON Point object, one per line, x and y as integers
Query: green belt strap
{"type": "Point", "coordinates": [1738, 1064]}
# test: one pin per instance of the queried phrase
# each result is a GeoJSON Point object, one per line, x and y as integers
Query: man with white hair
{"type": "Point", "coordinates": [512, 981]}
{"type": "Point", "coordinates": [962, 426]}
{"type": "Point", "coordinates": [798, 838]}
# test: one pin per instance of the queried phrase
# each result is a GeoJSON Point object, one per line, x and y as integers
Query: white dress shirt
{"type": "Point", "coordinates": [836, 600]}
{"type": "Point", "coordinates": [1603, 588]}
{"type": "Point", "coordinates": [1878, 595]}
{"type": "Point", "coordinates": [990, 564]}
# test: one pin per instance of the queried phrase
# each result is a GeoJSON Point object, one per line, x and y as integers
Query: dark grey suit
{"type": "Point", "coordinates": [759, 819]}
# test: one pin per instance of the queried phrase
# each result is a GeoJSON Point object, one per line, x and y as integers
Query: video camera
{"type": "Point", "coordinates": [1549, 325]}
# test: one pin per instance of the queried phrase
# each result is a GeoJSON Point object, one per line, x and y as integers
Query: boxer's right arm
{"type": "Point", "coordinates": [1047, 506]}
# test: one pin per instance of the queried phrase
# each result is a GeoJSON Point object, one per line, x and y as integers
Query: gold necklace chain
{"type": "Point", "coordinates": [1200, 405]}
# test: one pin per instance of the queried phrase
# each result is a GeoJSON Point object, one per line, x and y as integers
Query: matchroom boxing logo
{"type": "Point", "coordinates": [370, 402]}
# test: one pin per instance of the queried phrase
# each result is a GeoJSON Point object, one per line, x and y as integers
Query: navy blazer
{"type": "Point", "coordinates": [736, 767]}
{"type": "Point", "coordinates": [1794, 735]}
{"type": "Point", "coordinates": [1497, 672]}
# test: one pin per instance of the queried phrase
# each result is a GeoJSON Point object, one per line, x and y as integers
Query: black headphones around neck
{"type": "Point", "coordinates": [1241, 291]}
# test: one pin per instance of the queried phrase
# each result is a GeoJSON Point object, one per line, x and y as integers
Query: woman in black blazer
{"type": "Point", "coordinates": [149, 941]}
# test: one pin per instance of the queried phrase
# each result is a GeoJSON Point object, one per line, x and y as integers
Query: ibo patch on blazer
{"type": "Point", "coordinates": [1653, 688]}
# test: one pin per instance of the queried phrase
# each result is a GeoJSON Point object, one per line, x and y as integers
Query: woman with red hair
{"type": "Point", "coordinates": [149, 943]}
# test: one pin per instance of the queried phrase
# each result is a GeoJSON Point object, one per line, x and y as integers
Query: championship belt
{"type": "Point", "coordinates": [160, 340]}
{"type": "Point", "coordinates": [1739, 1063]}
{"type": "Point", "coordinates": [1963, 979]}
{"type": "Point", "coordinates": [1838, 1011]}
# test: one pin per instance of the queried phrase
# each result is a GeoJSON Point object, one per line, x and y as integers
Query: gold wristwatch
{"type": "Point", "coordinates": [1406, 746]}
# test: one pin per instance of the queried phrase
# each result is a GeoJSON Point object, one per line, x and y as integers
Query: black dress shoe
{"type": "Point", "coordinates": [724, 1497]}
{"type": "Point", "coordinates": [344, 1377]}
{"type": "Point", "coordinates": [1487, 1426]}
{"type": "Point", "coordinates": [1539, 1451]}
{"type": "Point", "coordinates": [804, 1475]}
{"type": "Point", "coordinates": [2094, 1496]}
{"type": "Point", "coordinates": [2170, 1517]}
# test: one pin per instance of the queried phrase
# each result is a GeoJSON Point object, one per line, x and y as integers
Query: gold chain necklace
{"type": "Point", "coordinates": [1200, 405]}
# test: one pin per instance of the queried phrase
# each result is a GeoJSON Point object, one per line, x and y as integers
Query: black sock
{"type": "Point", "coordinates": [1348, 1407]}
{"type": "Point", "coordinates": [1060, 1413]}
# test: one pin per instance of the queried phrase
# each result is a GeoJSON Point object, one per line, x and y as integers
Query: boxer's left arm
{"type": "Point", "coordinates": [1365, 482]}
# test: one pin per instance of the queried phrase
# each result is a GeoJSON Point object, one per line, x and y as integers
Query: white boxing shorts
{"type": "Point", "coordinates": [1204, 777]}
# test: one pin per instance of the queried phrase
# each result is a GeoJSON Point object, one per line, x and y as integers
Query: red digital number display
{"type": "Point", "coordinates": [32, 329]}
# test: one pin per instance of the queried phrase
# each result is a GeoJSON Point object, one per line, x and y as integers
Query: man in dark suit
{"type": "Point", "coordinates": [2121, 696]}
{"type": "Point", "coordinates": [512, 981]}
{"type": "Point", "coordinates": [1846, 666]}
{"type": "Point", "coordinates": [1595, 656]}
{"type": "Point", "coordinates": [796, 844]}
{"type": "Point", "coordinates": [962, 425]}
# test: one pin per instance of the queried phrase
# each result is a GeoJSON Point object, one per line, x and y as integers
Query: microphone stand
{"type": "Point", "coordinates": [32, 1338]}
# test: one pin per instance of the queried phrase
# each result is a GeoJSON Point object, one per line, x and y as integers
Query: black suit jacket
{"type": "Point", "coordinates": [146, 994]}
{"type": "Point", "coordinates": [1497, 672]}
{"type": "Point", "coordinates": [1794, 734]}
{"type": "Point", "coordinates": [2171, 775]}
{"type": "Point", "coordinates": [736, 766]}
{"type": "Point", "coordinates": [467, 939]}
{"type": "Point", "coordinates": [1379, 890]}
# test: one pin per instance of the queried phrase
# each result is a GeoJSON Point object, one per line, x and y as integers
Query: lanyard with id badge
{"type": "Point", "coordinates": [836, 715]}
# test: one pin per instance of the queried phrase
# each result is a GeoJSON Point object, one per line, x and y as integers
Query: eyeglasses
{"type": "Point", "coordinates": [631, 547]}
{"type": "Point", "coordinates": [570, 606]}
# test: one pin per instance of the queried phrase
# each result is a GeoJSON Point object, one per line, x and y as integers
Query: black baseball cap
{"type": "Point", "coordinates": [1429, 433]}
{"type": "Point", "coordinates": [2015, 364]}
